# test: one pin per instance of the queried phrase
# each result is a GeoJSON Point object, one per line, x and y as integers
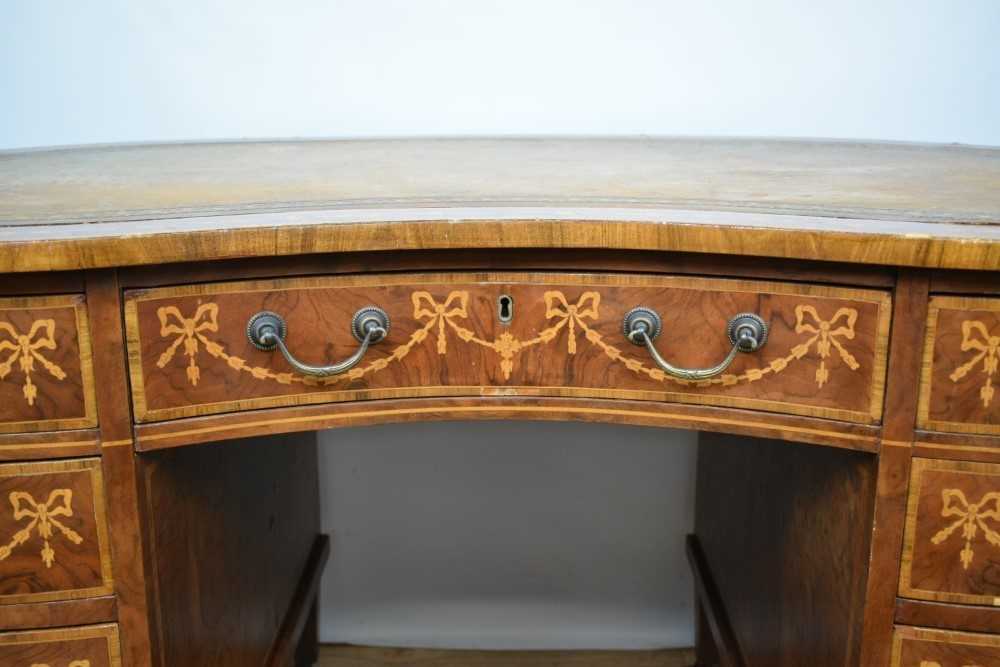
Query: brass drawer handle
{"type": "Point", "coordinates": [267, 330]}
{"type": "Point", "coordinates": [747, 332]}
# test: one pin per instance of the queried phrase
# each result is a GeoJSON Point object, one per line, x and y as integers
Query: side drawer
{"type": "Point", "coordinates": [825, 355]}
{"type": "Point", "coordinates": [53, 535]}
{"type": "Point", "coordinates": [86, 646]}
{"type": "Point", "coordinates": [46, 378]}
{"type": "Point", "coordinates": [960, 379]}
{"type": "Point", "coordinates": [922, 647]}
{"type": "Point", "coordinates": [951, 547]}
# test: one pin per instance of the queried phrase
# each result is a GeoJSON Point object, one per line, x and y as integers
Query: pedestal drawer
{"type": "Point", "coordinates": [951, 548]}
{"type": "Point", "coordinates": [53, 536]}
{"type": "Point", "coordinates": [508, 335]}
{"type": "Point", "coordinates": [922, 647]}
{"type": "Point", "coordinates": [46, 379]}
{"type": "Point", "coordinates": [960, 381]}
{"type": "Point", "coordinates": [88, 646]}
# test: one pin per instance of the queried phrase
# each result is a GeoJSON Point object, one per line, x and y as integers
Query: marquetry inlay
{"type": "Point", "coordinates": [27, 349]}
{"type": "Point", "coordinates": [44, 518]}
{"type": "Point", "coordinates": [978, 339]}
{"type": "Point", "coordinates": [441, 315]}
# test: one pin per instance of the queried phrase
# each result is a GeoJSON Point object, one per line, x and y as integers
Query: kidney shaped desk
{"type": "Point", "coordinates": [177, 321]}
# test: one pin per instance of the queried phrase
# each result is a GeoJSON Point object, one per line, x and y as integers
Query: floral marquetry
{"type": "Point", "coordinates": [825, 356]}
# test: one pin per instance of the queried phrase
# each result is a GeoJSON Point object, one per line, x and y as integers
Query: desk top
{"type": "Point", "coordinates": [877, 203]}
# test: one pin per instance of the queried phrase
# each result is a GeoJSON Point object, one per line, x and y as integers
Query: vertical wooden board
{"type": "Point", "coordinates": [46, 374]}
{"type": "Point", "coordinates": [54, 532]}
{"type": "Point", "coordinates": [785, 530]}
{"type": "Point", "coordinates": [232, 527]}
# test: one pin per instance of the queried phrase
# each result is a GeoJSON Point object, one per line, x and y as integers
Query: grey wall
{"type": "Point", "coordinates": [501, 534]}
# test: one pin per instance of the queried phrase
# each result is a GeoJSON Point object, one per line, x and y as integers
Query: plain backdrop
{"type": "Point", "coordinates": [501, 534]}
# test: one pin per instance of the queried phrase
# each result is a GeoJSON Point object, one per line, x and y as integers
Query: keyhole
{"type": "Point", "coordinates": [505, 308]}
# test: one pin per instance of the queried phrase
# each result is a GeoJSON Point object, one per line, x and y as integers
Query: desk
{"type": "Point", "coordinates": [159, 451]}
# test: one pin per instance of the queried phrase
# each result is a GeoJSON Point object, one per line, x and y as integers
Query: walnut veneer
{"type": "Point", "coordinates": [158, 470]}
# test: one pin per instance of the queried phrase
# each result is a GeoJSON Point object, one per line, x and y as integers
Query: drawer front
{"type": "Point", "coordinates": [921, 647]}
{"type": "Point", "coordinates": [960, 381]}
{"type": "Point", "coordinates": [951, 550]}
{"type": "Point", "coordinates": [46, 379]}
{"type": "Point", "coordinates": [53, 536]}
{"type": "Point", "coordinates": [825, 355]}
{"type": "Point", "coordinates": [89, 646]}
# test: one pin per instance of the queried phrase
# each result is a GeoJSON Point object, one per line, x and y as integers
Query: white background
{"type": "Point", "coordinates": [515, 534]}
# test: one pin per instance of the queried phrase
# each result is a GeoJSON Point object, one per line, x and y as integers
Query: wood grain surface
{"type": "Point", "coordinates": [374, 656]}
{"type": "Point", "coordinates": [922, 647]}
{"type": "Point", "coordinates": [960, 380]}
{"type": "Point", "coordinates": [91, 646]}
{"type": "Point", "coordinates": [233, 526]}
{"type": "Point", "coordinates": [53, 532]}
{"type": "Point", "coordinates": [785, 531]}
{"type": "Point", "coordinates": [46, 376]}
{"type": "Point", "coordinates": [951, 550]}
{"type": "Point", "coordinates": [896, 204]}
{"type": "Point", "coordinates": [825, 354]}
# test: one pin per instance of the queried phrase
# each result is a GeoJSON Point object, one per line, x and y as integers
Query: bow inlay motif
{"type": "Point", "coordinates": [43, 516]}
{"type": "Point", "coordinates": [27, 350]}
{"type": "Point", "coordinates": [189, 331]}
{"type": "Point", "coordinates": [827, 335]}
{"type": "Point", "coordinates": [976, 337]}
{"type": "Point", "coordinates": [970, 517]}
{"type": "Point", "coordinates": [451, 313]}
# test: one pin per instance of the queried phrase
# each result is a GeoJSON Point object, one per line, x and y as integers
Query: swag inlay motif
{"type": "Point", "coordinates": [42, 516]}
{"type": "Point", "coordinates": [446, 317]}
{"type": "Point", "coordinates": [986, 348]}
{"type": "Point", "coordinates": [26, 350]}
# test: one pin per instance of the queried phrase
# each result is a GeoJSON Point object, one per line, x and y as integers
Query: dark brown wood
{"type": "Point", "coordinates": [130, 558]}
{"type": "Point", "coordinates": [49, 445]}
{"type": "Point", "coordinates": [232, 526]}
{"type": "Point", "coordinates": [909, 315]}
{"type": "Point", "coordinates": [720, 646]}
{"type": "Point", "coordinates": [785, 532]}
{"type": "Point", "coordinates": [88, 646]}
{"type": "Point", "coordinates": [182, 432]}
{"type": "Point", "coordinates": [951, 550]}
{"type": "Point", "coordinates": [825, 354]}
{"type": "Point", "coordinates": [510, 259]}
{"type": "Point", "coordinates": [42, 283]}
{"type": "Point", "coordinates": [46, 381]}
{"type": "Point", "coordinates": [297, 641]}
{"type": "Point", "coordinates": [59, 613]}
{"type": "Point", "coordinates": [947, 615]}
{"type": "Point", "coordinates": [944, 648]}
{"type": "Point", "coordinates": [960, 381]}
{"type": "Point", "coordinates": [53, 536]}
{"type": "Point", "coordinates": [965, 446]}
{"type": "Point", "coordinates": [964, 282]}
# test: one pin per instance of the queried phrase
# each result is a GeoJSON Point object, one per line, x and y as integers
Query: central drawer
{"type": "Point", "coordinates": [508, 334]}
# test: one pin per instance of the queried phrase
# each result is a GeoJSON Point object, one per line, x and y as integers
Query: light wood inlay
{"type": "Point", "coordinates": [960, 375]}
{"type": "Point", "coordinates": [53, 532]}
{"type": "Point", "coordinates": [951, 549]}
{"type": "Point", "coordinates": [46, 372]}
{"type": "Point", "coordinates": [825, 356]}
